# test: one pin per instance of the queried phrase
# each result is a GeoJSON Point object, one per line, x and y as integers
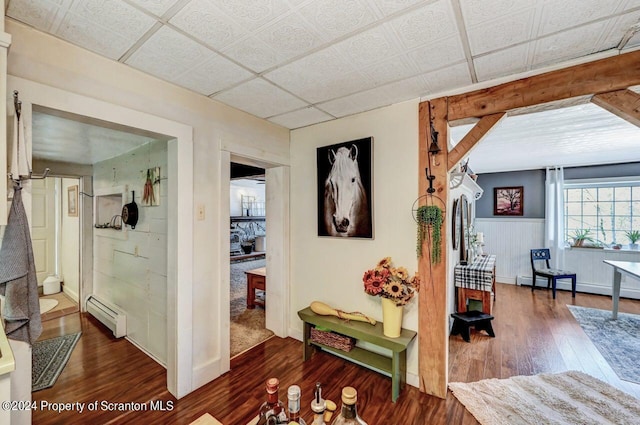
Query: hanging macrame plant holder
{"type": "Point", "coordinates": [429, 219]}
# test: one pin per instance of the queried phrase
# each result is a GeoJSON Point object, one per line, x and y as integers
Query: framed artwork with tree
{"type": "Point", "coordinates": [508, 200]}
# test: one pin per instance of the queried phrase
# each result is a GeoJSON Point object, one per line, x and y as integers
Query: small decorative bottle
{"type": "Point", "coordinates": [349, 414]}
{"type": "Point", "coordinates": [293, 396]}
{"type": "Point", "coordinates": [273, 411]}
{"type": "Point", "coordinates": [318, 406]}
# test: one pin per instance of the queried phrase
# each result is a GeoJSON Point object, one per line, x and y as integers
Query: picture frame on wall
{"type": "Point", "coordinates": [344, 173]}
{"type": "Point", "coordinates": [508, 200]}
{"type": "Point", "coordinates": [72, 201]}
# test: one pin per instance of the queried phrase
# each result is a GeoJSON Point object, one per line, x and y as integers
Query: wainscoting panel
{"type": "Point", "coordinates": [511, 240]}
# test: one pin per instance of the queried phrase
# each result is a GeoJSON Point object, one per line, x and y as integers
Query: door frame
{"type": "Point", "coordinates": [180, 209]}
{"type": "Point", "coordinates": [277, 258]}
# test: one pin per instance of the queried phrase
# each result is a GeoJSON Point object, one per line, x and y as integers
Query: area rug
{"type": "Point", "coordinates": [617, 340]}
{"type": "Point", "coordinates": [50, 356]}
{"type": "Point", "coordinates": [47, 304]}
{"type": "Point", "coordinates": [247, 325]}
{"type": "Point", "coordinates": [568, 398]}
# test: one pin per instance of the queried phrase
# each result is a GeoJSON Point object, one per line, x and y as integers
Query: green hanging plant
{"type": "Point", "coordinates": [429, 216]}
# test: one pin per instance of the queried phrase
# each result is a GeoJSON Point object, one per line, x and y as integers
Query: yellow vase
{"type": "Point", "coordinates": [391, 318]}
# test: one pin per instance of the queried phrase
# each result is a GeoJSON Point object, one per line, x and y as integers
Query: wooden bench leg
{"type": "Point", "coordinates": [307, 349]}
{"type": "Point", "coordinates": [398, 373]}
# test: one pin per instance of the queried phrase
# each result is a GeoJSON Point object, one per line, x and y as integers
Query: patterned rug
{"type": "Point", "coordinates": [50, 356]}
{"type": "Point", "coordinates": [617, 340]}
{"type": "Point", "coordinates": [569, 398]}
{"type": "Point", "coordinates": [247, 326]}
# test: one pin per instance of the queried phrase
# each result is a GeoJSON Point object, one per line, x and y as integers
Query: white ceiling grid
{"type": "Point", "coordinates": [330, 58]}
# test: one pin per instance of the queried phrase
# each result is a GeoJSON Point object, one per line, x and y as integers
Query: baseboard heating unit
{"type": "Point", "coordinates": [111, 317]}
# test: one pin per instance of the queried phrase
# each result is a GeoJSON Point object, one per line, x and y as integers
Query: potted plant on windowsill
{"type": "Point", "coordinates": [634, 237]}
{"type": "Point", "coordinates": [580, 236]}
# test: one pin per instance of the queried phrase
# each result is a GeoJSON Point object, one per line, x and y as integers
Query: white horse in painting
{"type": "Point", "coordinates": [346, 211]}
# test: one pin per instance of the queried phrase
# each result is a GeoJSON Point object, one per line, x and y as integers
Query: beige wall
{"type": "Point", "coordinates": [331, 269]}
{"type": "Point", "coordinates": [38, 58]}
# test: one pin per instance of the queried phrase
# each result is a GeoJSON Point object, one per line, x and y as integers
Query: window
{"type": "Point", "coordinates": [607, 209]}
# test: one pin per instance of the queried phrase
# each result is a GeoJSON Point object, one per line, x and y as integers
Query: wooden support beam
{"type": "Point", "coordinates": [623, 103]}
{"type": "Point", "coordinates": [475, 135]}
{"type": "Point", "coordinates": [433, 326]}
{"type": "Point", "coordinates": [601, 76]}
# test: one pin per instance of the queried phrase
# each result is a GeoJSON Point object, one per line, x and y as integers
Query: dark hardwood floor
{"type": "Point", "coordinates": [534, 334]}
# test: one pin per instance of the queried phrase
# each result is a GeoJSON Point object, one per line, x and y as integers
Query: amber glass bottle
{"type": "Point", "coordinates": [349, 413]}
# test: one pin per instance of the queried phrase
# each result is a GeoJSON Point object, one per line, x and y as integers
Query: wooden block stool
{"type": "Point", "coordinates": [463, 321]}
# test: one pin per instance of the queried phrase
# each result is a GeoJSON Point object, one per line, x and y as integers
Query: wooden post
{"type": "Point", "coordinates": [623, 103]}
{"type": "Point", "coordinates": [433, 336]}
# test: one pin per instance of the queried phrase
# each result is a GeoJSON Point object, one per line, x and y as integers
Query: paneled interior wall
{"type": "Point", "coordinates": [130, 267]}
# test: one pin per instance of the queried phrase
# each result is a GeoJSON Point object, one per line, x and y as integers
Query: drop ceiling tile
{"type": "Point", "coordinates": [629, 4]}
{"type": "Point", "coordinates": [617, 28]}
{"type": "Point", "coordinates": [393, 69]}
{"type": "Point", "coordinates": [290, 36]}
{"type": "Point", "coordinates": [560, 15]}
{"type": "Point", "coordinates": [252, 14]}
{"type": "Point", "coordinates": [389, 7]}
{"type": "Point", "coordinates": [477, 12]}
{"type": "Point", "coordinates": [336, 86]}
{"type": "Point", "coordinates": [633, 42]}
{"type": "Point", "coordinates": [448, 78]}
{"type": "Point", "coordinates": [117, 16]}
{"type": "Point", "coordinates": [503, 62]}
{"type": "Point", "coordinates": [425, 25]}
{"type": "Point", "coordinates": [356, 103]}
{"type": "Point", "coordinates": [371, 46]}
{"type": "Point", "coordinates": [37, 13]}
{"type": "Point", "coordinates": [253, 53]}
{"type": "Point", "coordinates": [436, 55]}
{"type": "Point", "coordinates": [202, 20]}
{"type": "Point", "coordinates": [567, 45]}
{"type": "Point", "coordinates": [514, 29]}
{"type": "Point", "coordinates": [157, 7]}
{"type": "Point", "coordinates": [409, 88]}
{"type": "Point", "coordinates": [335, 18]}
{"type": "Point", "coordinates": [167, 54]}
{"type": "Point", "coordinates": [312, 70]}
{"type": "Point", "coordinates": [78, 30]}
{"type": "Point", "coordinates": [260, 98]}
{"type": "Point", "coordinates": [301, 118]}
{"type": "Point", "coordinates": [212, 76]}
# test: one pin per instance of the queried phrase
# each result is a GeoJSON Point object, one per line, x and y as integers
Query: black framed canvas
{"type": "Point", "coordinates": [344, 189]}
{"type": "Point", "coordinates": [508, 200]}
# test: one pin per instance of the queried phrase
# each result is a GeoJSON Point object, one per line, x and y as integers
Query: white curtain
{"type": "Point", "coordinates": [554, 218]}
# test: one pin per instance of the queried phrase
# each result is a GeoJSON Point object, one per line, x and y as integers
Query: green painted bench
{"type": "Point", "coordinates": [394, 366]}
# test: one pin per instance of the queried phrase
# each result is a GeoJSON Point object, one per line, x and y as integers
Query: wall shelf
{"type": "Point", "coordinates": [459, 179]}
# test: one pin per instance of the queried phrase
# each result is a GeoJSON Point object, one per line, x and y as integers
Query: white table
{"type": "Point", "coordinates": [621, 267]}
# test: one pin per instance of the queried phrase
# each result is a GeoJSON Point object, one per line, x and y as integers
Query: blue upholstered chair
{"type": "Point", "coordinates": [552, 275]}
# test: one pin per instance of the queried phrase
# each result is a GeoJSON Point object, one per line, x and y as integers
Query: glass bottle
{"type": "Point", "coordinates": [318, 406]}
{"type": "Point", "coordinates": [349, 414]}
{"type": "Point", "coordinates": [273, 411]}
{"type": "Point", "coordinates": [293, 396]}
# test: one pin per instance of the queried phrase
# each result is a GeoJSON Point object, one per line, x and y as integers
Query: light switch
{"type": "Point", "coordinates": [200, 212]}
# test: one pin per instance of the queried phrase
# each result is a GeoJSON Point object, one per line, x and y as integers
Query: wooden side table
{"type": "Point", "coordinates": [256, 279]}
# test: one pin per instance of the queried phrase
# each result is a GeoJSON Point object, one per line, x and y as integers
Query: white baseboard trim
{"type": "Point", "coordinates": [413, 380]}
{"type": "Point", "coordinates": [504, 279]}
{"type": "Point", "coordinates": [74, 295]}
{"type": "Point", "coordinates": [205, 373]}
{"type": "Point", "coordinates": [144, 350]}
{"type": "Point", "coordinates": [295, 334]}
{"type": "Point", "coordinates": [589, 288]}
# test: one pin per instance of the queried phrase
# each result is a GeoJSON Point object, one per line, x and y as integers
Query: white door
{"type": "Point", "coordinates": [43, 227]}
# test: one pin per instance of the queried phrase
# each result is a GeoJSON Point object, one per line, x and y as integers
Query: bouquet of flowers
{"type": "Point", "coordinates": [391, 282]}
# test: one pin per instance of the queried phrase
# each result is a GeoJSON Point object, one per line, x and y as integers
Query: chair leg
{"type": "Point", "coordinates": [553, 287]}
{"type": "Point", "coordinates": [534, 283]}
{"type": "Point", "coordinates": [573, 287]}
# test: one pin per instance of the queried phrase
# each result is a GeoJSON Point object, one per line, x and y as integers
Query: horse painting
{"type": "Point", "coordinates": [346, 208]}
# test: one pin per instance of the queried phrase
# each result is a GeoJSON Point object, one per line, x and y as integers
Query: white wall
{"type": "Point", "coordinates": [247, 188]}
{"type": "Point", "coordinates": [69, 247]}
{"type": "Point", "coordinates": [130, 266]}
{"type": "Point", "coordinates": [331, 269]}
{"type": "Point", "coordinates": [39, 59]}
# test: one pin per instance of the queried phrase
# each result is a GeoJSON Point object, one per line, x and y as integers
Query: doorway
{"type": "Point", "coordinates": [247, 250]}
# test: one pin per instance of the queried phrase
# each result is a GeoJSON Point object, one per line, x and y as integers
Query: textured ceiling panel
{"type": "Point", "coordinates": [205, 22]}
{"type": "Point", "coordinates": [301, 118]}
{"type": "Point", "coordinates": [561, 15]}
{"type": "Point", "coordinates": [439, 54]}
{"type": "Point", "coordinates": [504, 62]}
{"type": "Point", "coordinates": [290, 36]}
{"type": "Point", "coordinates": [567, 45]}
{"type": "Point", "coordinates": [252, 14]}
{"type": "Point", "coordinates": [335, 18]}
{"type": "Point", "coordinates": [425, 25]}
{"type": "Point", "coordinates": [578, 135]}
{"type": "Point", "coordinates": [215, 74]}
{"type": "Point", "coordinates": [157, 7]}
{"type": "Point", "coordinates": [260, 98]}
{"type": "Point", "coordinates": [513, 29]}
{"type": "Point", "coordinates": [480, 11]}
{"type": "Point", "coordinates": [38, 13]}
